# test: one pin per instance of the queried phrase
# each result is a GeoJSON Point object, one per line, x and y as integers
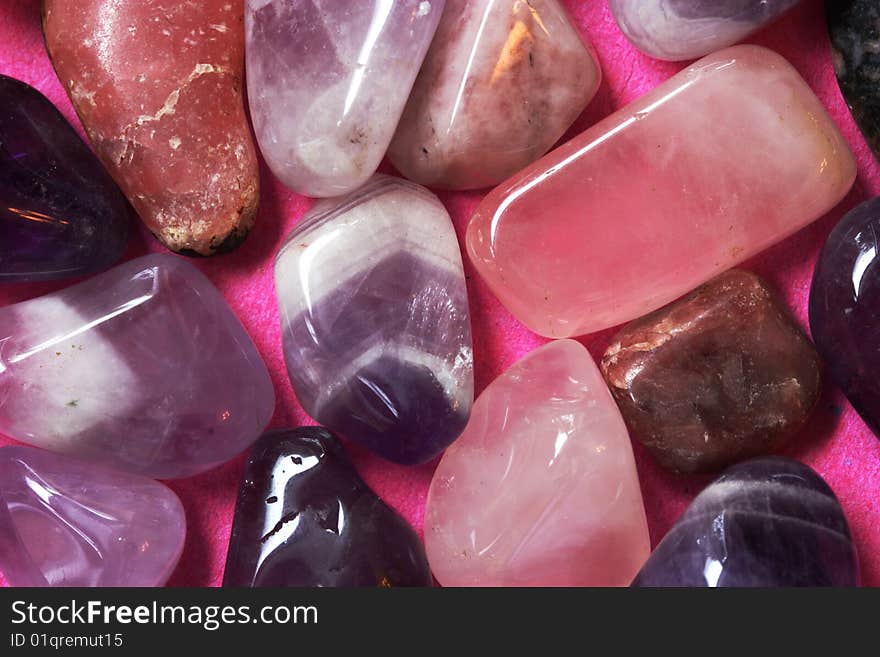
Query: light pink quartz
{"type": "Point", "coordinates": [715, 165]}
{"type": "Point", "coordinates": [541, 488]}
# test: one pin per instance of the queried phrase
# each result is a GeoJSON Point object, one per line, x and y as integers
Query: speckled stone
{"type": "Point", "coordinates": [722, 375]}
{"type": "Point", "coordinates": [769, 522]}
{"type": "Point", "coordinates": [854, 27]}
{"type": "Point", "coordinates": [305, 518]}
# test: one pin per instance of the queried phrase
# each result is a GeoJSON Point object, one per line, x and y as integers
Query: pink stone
{"type": "Point", "coordinates": [503, 80]}
{"type": "Point", "coordinates": [65, 522]}
{"type": "Point", "coordinates": [541, 488]}
{"type": "Point", "coordinates": [715, 165]}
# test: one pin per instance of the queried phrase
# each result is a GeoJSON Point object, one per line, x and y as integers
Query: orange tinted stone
{"type": "Point", "coordinates": [158, 87]}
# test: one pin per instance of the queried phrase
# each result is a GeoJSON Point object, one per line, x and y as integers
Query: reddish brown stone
{"type": "Point", "coordinates": [721, 375]}
{"type": "Point", "coordinates": [158, 87]}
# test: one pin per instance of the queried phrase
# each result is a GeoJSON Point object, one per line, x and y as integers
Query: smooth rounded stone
{"type": "Point", "coordinates": [845, 308]}
{"type": "Point", "coordinates": [305, 518]}
{"type": "Point", "coordinates": [854, 27]}
{"type": "Point", "coordinates": [158, 87]}
{"type": "Point", "coordinates": [768, 522]}
{"type": "Point", "coordinates": [722, 375]}
{"type": "Point", "coordinates": [375, 321]}
{"type": "Point", "coordinates": [61, 215]}
{"type": "Point", "coordinates": [64, 522]}
{"type": "Point", "coordinates": [327, 83]}
{"type": "Point", "coordinates": [687, 29]}
{"type": "Point", "coordinates": [143, 368]}
{"type": "Point", "coordinates": [541, 488]}
{"type": "Point", "coordinates": [502, 82]}
{"type": "Point", "coordinates": [715, 165]}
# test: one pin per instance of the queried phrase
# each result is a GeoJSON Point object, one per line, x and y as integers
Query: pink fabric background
{"type": "Point", "coordinates": [837, 443]}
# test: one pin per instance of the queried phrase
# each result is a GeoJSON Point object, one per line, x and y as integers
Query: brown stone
{"type": "Point", "coordinates": [718, 376]}
{"type": "Point", "coordinates": [158, 87]}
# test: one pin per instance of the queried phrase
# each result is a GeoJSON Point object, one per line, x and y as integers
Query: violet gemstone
{"type": "Point", "coordinates": [143, 368]}
{"type": "Point", "coordinates": [64, 522]}
{"type": "Point", "coordinates": [60, 212]}
{"type": "Point", "coordinates": [845, 308]}
{"type": "Point", "coordinates": [687, 29]}
{"type": "Point", "coordinates": [375, 319]}
{"type": "Point", "coordinates": [305, 518]}
{"type": "Point", "coordinates": [766, 522]}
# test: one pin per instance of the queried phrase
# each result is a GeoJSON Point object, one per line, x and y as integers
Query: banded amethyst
{"type": "Point", "coordinates": [374, 314]}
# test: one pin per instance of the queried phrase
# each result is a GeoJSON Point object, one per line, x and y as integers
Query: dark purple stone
{"type": "Point", "coordinates": [61, 214]}
{"type": "Point", "coordinates": [305, 518]}
{"type": "Point", "coordinates": [770, 522]}
{"type": "Point", "coordinates": [845, 308]}
{"type": "Point", "coordinates": [748, 11]}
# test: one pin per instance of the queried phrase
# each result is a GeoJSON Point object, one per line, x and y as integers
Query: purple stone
{"type": "Point", "coordinates": [305, 518]}
{"type": "Point", "coordinates": [60, 212]}
{"type": "Point", "coordinates": [768, 522]}
{"type": "Point", "coordinates": [687, 29]}
{"type": "Point", "coordinates": [375, 320]}
{"type": "Point", "coordinates": [144, 368]}
{"type": "Point", "coordinates": [845, 308]}
{"type": "Point", "coordinates": [64, 522]}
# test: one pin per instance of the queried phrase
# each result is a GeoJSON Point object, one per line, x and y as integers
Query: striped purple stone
{"type": "Point", "coordinates": [375, 320]}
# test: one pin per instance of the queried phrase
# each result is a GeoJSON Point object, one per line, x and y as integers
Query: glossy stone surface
{"type": "Point", "coordinates": [845, 308]}
{"type": "Point", "coordinates": [541, 488]}
{"type": "Point", "coordinates": [502, 82]}
{"type": "Point", "coordinates": [719, 376]}
{"type": "Point", "coordinates": [854, 27]}
{"type": "Point", "coordinates": [713, 166]}
{"type": "Point", "coordinates": [327, 83]}
{"type": "Point", "coordinates": [143, 368]}
{"type": "Point", "coordinates": [375, 320]}
{"type": "Point", "coordinates": [766, 522]}
{"type": "Point", "coordinates": [687, 29]}
{"type": "Point", "coordinates": [64, 522]}
{"type": "Point", "coordinates": [305, 518]}
{"type": "Point", "coordinates": [60, 213]}
{"type": "Point", "coordinates": [158, 86]}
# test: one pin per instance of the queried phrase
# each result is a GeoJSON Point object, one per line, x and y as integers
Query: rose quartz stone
{"type": "Point", "coordinates": [503, 80]}
{"type": "Point", "coordinates": [715, 165]}
{"type": "Point", "coordinates": [541, 488]}
{"type": "Point", "coordinates": [158, 86]}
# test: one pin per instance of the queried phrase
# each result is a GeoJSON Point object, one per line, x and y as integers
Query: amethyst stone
{"type": "Point", "coordinates": [768, 522]}
{"type": "Point", "coordinates": [687, 29]}
{"type": "Point", "coordinates": [144, 368]}
{"type": "Point", "coordinates": [305, 518]}
{"type": "Point", "coordinates": [64, 522]}
{"type": "Point", "coordinates": [845, 308]}
{"type": "Point", "coordinates": [60, 212]}
{"type": "Point", "coordinates": [375, 320]}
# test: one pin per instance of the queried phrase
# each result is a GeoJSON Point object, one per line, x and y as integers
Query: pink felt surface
{"type": "Point", "coordinates": [837, 443]}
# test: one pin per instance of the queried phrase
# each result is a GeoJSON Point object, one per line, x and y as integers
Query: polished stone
{"type": "Point", "coordinates": [143, 368]}
{"type": "Point", "coordinates": [375, 320]}
{"type": "Point", "coordinates": [687, 29]}
{"type": "Point", "coordinates": [854, 27]}
{"type": "Point", "coordinates": [541, 488]}
{"type": "Point", "coordinates": [327, 83]}
{"type": "Point", "coordinates": [61, 215]}
{"type": "Point", "coordinates": [305, 518]}
{"type": "Point", "coordinates": [158, 86]}
{"type": "Point", "coordinates": [769, 522]}
{"type": "Point", "coordinates": [502, 82]}
{"type": "Point", "coordinates": [845, 308]}
{"type": "Point", "coordinates": [710, 168]}
{"type": "Point", "coordinates": [64, 522]}
{"type": "Point", "coordinates": [719, 376]}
